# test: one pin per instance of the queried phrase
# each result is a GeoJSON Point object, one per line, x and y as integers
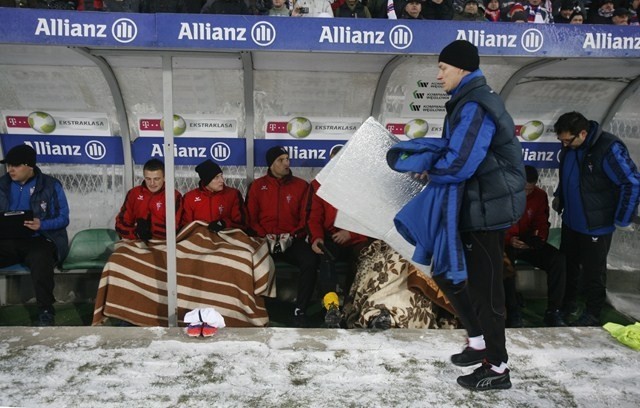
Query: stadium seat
{"type": "Point", "coordinates": [90, 249]}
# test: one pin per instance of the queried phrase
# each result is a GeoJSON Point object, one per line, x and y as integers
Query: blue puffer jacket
{"type": "Point", "coordinates": [48, 203]}
{"type": "Point", "coordinates": [430, 220]}
{"type": "Point", "coordinates": [484, 153]}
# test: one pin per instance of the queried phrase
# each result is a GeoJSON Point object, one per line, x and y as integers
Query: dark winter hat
{"type": "Point", "coordinates": [274, 153]}
{"type": "Point", "coordinates": [567, 5]}
{"type": "Point", "coordinates": [207, 170]}
{"type": "Point", "coordinates": [21, 154]}
{"type": "Point", "coordinates": [461, 54]}
{"type": "Point", "coordinates": [621, 11]}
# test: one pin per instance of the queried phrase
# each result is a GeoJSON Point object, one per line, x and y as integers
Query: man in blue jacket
{"type": "Point", "coordinates": [25, 187]}
{"type": "Point", "coordinates": [484, 155]}
{"type": "Point", "coordinates": [598, 191]}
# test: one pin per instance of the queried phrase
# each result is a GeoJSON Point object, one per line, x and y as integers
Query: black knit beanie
{"type": "Point", "coordinates": [461, 54]}
{"type": "Point", "coordinates": [274, 153]}
{"type": "Point", "coordinates": [207, 170]}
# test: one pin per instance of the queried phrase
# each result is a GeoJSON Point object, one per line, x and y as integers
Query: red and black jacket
{"type": "Point", "coordinates": [226, 205]}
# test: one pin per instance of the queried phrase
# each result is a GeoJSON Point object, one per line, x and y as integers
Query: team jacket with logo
{"type": "Point", "coordinates": [278, 206]}
{"type": "Point", "coordinates": [322, 216]}
{"type": "Point", "coordinates": [142, 203]}
{"type": "Point", "coordinates": [204, 205]}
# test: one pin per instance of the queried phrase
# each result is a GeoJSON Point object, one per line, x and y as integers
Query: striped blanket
{"type": "Point", "coordinates": [228, 271]}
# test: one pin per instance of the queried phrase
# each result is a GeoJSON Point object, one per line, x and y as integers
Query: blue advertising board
{"type": "Point", "coordinates": [247, 33]}
{"type": "Point", "coordinates": [302, 153]}
{"type": "Point", "coordinates": [190, 151]}
{"type": "Point", "coordinates": [70, 149]}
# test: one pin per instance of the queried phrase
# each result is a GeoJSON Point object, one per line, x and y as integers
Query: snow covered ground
{"type": "Point", "coordinates": [276, 367]}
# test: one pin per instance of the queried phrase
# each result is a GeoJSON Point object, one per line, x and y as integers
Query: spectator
{"type": "Point", "coordinates": [125, 6]}
{"type": "Point", "coordinates": [143, 214]}
{"type": "Point", "coordinates": [598, 191]}
{"type": "Point", "coordinates": [620, 16]}
{"type": "Point", "coordinates": [51, 4]}
{"type": "Point", "coordinates": [535, 12]}
{"type": "Point", "coordinates": [225, 7]}
{"type": "Point", "coordinates": [412, 10]}
{"type": "Point", "coordinates": [353, 9]}
{"type": "Point", "coordinates": [279, 9]}
{"type": "Point", "coordinates": [576, 17]}
{"type": "Point", "coordinates": [634, 6]}
{"type": "Point", "coordinates": [527, 240]}
{"type": "Point", "coordinates": [492, 199]}
{"type": "Point", "coordinates": [89, 5]}
{"type": "Point", "coordinates": [601, 12]}
{"type": "Point", "coordinates": [213, 202]}
{"type": "Point", "coordinates": [332, 244]}
{"type": "Point", "coordinates": [519, 17]}
{"type": "Point", "coordinates": [564, 12]}
{"type": "Point", "coordinates": [377, 8]}
{"type": "Point", "coordinates": [437, 9]}
{"type": "Point", "coordinates": [276, 204]}
{"type": "Point", "coordinates": [470, 12]}
{"type": "Point", "coordinates": [311, 8]}
{"type": "Point", "coordinates": [44, 242]}
{"type": "Point", "coordinates": [492, 11]}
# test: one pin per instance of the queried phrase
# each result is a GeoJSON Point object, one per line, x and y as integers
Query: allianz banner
{"type": "Point", "coordinates": [63, 137]}
{"type": "Point", "coordinates": [248, 33]}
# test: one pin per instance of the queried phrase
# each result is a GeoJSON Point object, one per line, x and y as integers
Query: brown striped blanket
{"type": "Point", "coordinates": [228, 271]}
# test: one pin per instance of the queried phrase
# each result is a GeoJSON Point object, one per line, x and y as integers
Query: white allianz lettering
{"type": "Point", "coordinates": [58, 27]}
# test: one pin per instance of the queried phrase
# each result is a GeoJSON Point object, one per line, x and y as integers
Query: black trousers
{"type": "Point", "coordinates": [39, 255]}
{"type": "Point", "coordinates": [301, 255]}
{"type": "Point", "coordinates": [588, 255]}
{"type": "Point", "coordinates": [328, 277]}
{"type": "Point", "coordinates": [552, 261]}
{"type": "Point", "coordinates": [479, 303]}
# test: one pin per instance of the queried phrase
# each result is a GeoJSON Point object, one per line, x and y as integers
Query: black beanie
{"type": "Point", "coordinates": [274, 153]}
{"type": "Point", "coordinates": [207, 170]}
{"type": "Point", "coordinates": [20, 154]}
{"type": "Point", "coordinates": [461, 54]}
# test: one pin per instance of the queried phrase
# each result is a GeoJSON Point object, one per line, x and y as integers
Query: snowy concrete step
{"type": "Point", "coordinates": [112, 366]}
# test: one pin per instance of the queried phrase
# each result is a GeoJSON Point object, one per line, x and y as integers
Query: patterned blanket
{"type": "Point", "coordinates": [228, 271]}
{"type": "Point", "coordinates": [385, 280]}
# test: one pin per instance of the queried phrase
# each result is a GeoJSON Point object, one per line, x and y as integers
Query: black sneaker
{"type": "Point", "coordinates": [382, 321]}
{"type": "Point", "coordinates": [569, 312]}
{"type": "Point", "coordinates": [484, 378]}
{"type": "Point", "coordinates": [46, 318]}
{"type": "Point", "coordinates": [586, 320]}
{"type": "Point", "coordinates": [333, 317]}
{"type": "Point", "coordinates": [299, 319]}
{"type": "Point", "coordinates": [469, 356]}
{"type": "Point", "coordinates": [553, 318]}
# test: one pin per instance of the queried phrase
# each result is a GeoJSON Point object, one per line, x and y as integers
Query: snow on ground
{"type": "Point", "coordinates": [276, 367]}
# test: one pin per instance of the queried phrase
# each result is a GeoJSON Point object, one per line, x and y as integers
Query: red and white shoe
{"type": "Point", "coordinates": [194, 330]}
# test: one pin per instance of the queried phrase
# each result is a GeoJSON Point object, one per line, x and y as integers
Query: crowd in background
{"type": "Point", "coordinates": [616, 12]}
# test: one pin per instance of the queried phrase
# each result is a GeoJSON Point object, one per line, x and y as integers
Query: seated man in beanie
{"type": "Point", "coordinates": [213, 202]}
{"type": "Point", "coordinates": [44, 242]}
{"type": "Point", "coordinates": [470, 12]}
{"type": "Point", "coordinates": [143, 214]}
{"type": "Point", "coordinates": [276, 204]}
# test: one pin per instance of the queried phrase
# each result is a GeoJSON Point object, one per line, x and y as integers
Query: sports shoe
{"type": "Point", "coordinates": [484, 378]}
{"type": "Point", "coordinates": [569, 312]}
{"type": "Point", "coordinates": [553, 318]}
{"type": "Point", "coordinates": [468, 357]}
{"type": "Point", "coordinates": [46, 318]}
{"type": "Point", "coordinates": [382, 321]}
{"type": "Point", "coordinates": [299, 318]}
{"type": "Point", "coordinates": [586, 319]}
{"type": "Point", "coordinates": [208, 330]}
{"type": "Point", "coordinates": [194, 330]}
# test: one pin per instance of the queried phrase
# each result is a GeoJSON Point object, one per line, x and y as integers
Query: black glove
{"type": "Point", "coordinates": [534, 241]}
{"type": "Point", "coordinates": [216, 226]}
{"type": "Point", "coordinates": [555, 204]}
{"type": "Point", "coordinates": [143, 229]}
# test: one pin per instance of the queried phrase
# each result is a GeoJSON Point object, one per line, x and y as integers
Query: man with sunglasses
{"type": "Point", "coordinates": [598, 191]}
